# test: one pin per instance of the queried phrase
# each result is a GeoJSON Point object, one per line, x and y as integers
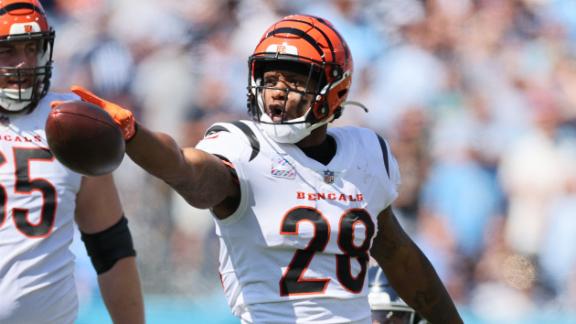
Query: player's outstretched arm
{"type": "Point", "coordinates": [410, 273]}
{"type": "Point", "coordinates": [199, 177]}
{"type": "Point", "coordinates": [108, 242]}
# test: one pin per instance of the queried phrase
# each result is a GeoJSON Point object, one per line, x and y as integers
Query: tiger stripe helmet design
{"type": "Point", "coordinates": [25, 20]}
{"type": "Point", "coordinates": [313, 46]}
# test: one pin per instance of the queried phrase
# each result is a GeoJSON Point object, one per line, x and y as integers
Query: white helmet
{"type": "Point", "coordinates": [386, 305]}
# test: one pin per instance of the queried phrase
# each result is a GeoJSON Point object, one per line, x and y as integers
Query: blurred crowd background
{"type": "Point", "coordinates": [476, 97]}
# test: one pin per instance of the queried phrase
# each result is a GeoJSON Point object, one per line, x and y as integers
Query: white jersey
{"type": "Point", "coordinates": [296, 250]}
{"type": "Point", "coordinates": [37, 203]}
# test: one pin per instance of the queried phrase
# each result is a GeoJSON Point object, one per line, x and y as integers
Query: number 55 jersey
{"type": "Point", "coordinates": [37, 204]}
{"type": "Point", "coordinates": [297, 248]}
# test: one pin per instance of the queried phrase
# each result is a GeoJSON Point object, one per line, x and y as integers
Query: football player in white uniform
{"type": "Point", "coordinates": [299, 207]}
{"type": "Point", "coordinates": [40, 198]}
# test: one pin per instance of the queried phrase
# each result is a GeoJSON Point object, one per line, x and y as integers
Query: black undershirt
{"type": "Point", "coordinates": [322, 153]}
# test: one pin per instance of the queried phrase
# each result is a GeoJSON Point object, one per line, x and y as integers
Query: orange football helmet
{"type": "Point", "coordinates": [24, 21]}
{"type": "Point", "coordinates": [311, 46]}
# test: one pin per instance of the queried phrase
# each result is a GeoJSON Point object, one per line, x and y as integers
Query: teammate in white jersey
{"type": "Point", "coordinates": [299, 208]}
{"type": "Point", "coordinates": [40, 198]}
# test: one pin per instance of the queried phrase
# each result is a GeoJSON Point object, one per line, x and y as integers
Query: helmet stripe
{"type": "Point", "coordinates": [346, 53]}
{"type": "Point", "coordinates": [321, 32]}
{"type": "Point", "coordinates": [298, 32]}
{"type": "Point", "coordinates": [19, 5]}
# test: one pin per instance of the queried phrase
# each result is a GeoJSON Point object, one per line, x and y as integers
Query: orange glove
{"type": "Point", "coordinates": [123, 117]}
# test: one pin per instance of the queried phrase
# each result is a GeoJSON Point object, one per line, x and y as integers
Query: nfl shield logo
{"type": "Point", "coordinates": [329, 176]}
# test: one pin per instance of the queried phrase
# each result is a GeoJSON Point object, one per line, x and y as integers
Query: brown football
{"type": "Point", "coordinates": [84, 138]}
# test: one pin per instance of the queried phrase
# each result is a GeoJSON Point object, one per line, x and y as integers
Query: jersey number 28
{"type": "Point", "coordinates": [293, 283]}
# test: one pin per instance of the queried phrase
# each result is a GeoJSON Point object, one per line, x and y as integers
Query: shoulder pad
{"type": "Point", "coordinates": [234, 127]}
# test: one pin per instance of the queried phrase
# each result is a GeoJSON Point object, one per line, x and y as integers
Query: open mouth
{"type": "Point", "coordinates": [276, 113]}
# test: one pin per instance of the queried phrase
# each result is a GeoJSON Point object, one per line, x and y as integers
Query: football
{"type": "Point", "coordinates": [84, 138]}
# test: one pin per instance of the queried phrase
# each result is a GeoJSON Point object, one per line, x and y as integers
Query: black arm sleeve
{"type": "Point", "coordinates": [109, 246]}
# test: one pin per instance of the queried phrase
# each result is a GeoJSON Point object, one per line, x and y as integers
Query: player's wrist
{"type": "Point", "coordinates": [133, 133]}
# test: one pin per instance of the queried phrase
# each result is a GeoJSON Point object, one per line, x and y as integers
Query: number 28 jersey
{"type": "Point", "coordinates": [296, 249]}
{"type": "Point", "coordinates": [37, 203]}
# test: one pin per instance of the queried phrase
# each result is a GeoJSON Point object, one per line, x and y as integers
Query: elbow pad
{"type": "Point", "coordinates": [107, 247]}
